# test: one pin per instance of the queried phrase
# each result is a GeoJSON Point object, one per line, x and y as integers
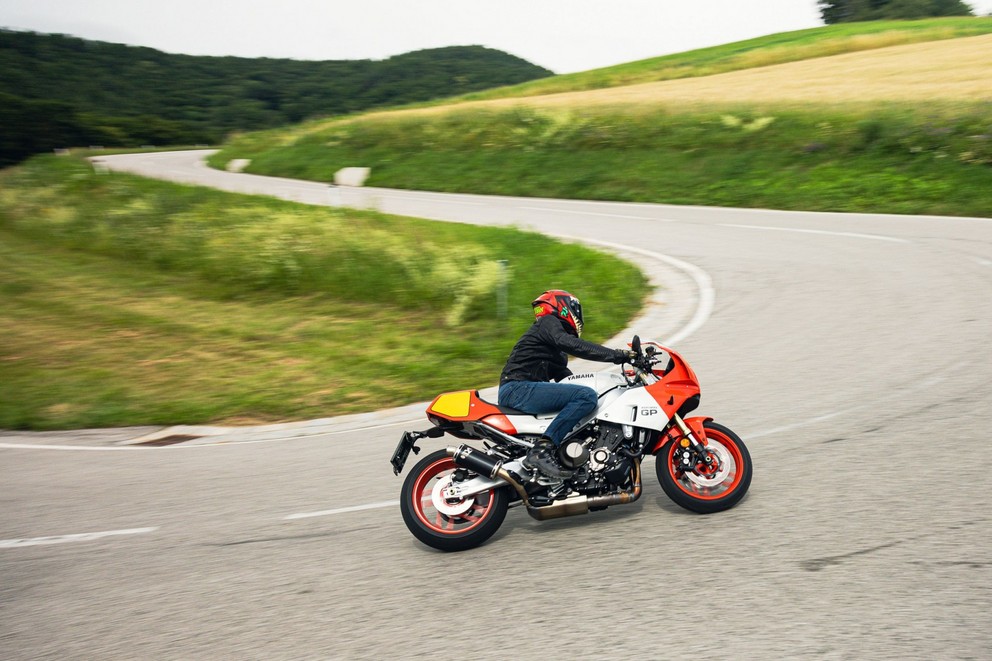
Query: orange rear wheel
{"type": "Point", "coordinates": [448, 525]}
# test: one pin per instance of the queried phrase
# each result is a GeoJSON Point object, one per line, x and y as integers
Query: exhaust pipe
{"type": "Point", "coordinates": [485, 464]}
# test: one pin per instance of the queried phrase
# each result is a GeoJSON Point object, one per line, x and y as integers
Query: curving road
{"type": "Point", "coordinates": [851, 352]}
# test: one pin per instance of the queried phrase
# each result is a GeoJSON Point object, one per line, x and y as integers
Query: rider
{"type": "Point", "coordinates": [538, 358]}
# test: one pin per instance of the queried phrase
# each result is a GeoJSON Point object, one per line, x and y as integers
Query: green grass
{"type": "Point", "coordinates": [892, 158]}
{"type": "Point", "coordinates": [762, 51]}
{"type": "Point", "coordinates": [128, 301]}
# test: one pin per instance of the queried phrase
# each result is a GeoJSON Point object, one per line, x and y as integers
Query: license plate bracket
{"type": "Point", "coordinates": [408, 443]}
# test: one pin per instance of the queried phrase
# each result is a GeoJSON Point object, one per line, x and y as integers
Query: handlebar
{"type": "Point", "coordinates": [643, 360]}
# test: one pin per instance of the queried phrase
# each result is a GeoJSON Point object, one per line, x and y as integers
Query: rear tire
{"type": "Point", "coordinates": [457, 525]}
{"type": "Point", "coordinates": [703, 493]}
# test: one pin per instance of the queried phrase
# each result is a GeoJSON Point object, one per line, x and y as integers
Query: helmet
{"type": "Point", "coordinates": [563, 305]}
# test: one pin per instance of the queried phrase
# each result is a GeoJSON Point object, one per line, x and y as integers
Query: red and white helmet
{"type": "Point", "coordinates": [563, 305]}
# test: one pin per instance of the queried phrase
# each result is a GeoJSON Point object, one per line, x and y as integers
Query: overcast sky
{"type": "Point", "coordinates": [561, 35]}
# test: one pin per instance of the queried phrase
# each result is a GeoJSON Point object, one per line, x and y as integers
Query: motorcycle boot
{"type": "Point", "coordinates": [542, 458]}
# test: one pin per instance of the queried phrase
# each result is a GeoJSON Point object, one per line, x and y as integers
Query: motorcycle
{"type": "Point", "coordinates": [457, 498]}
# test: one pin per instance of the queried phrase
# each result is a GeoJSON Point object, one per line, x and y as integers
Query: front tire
{"type": "Point", "coordinates": [448, 525]}
{"type": "Point", "coordinates": [706, 492]}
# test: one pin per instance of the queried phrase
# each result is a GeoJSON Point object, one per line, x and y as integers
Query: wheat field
{"type": "Point", "coordinates": [956, 69]}
{"type": "Point", "coordinates": [951, 70]}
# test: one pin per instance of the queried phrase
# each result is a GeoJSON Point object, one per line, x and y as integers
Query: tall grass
{"type": "Point", "coordinates": [891, 158]}
{"type": "Point", "coordinates": [129, 301]}
{"type": "Point", "coordinates": [238, 244]}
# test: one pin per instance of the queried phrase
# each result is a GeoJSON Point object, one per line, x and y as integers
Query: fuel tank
{"type": "Point", "coordinates": [601, 382]}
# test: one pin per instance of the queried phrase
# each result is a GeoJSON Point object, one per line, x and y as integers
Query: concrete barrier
{"type": "Point", "coordinates": [351, 176]}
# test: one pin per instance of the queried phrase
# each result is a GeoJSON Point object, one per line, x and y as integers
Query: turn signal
{"type": "Point", "coordinates": [684, 442]}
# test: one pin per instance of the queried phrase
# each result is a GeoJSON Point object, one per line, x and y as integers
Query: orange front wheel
{"type": "Point", "coordinates": [705, 487]}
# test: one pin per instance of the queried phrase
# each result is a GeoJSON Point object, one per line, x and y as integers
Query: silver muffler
{"type": "Point", "coordinates": [485, 464]}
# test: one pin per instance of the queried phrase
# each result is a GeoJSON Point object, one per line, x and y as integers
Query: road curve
{"type": "Point", "coordinates": [850, 351]}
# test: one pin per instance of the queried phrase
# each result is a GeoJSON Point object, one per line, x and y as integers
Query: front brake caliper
{"type": "Point", "coordinates": [685, 457]}
{"type": "Point", "coordinates": [699, 460]}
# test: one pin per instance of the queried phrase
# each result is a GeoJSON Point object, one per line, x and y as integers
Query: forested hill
{"type": "Point", "coordinates": [91, 92]}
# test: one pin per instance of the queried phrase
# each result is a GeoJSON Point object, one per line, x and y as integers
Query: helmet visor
{"type": "Point", "coordinates": [575, 308]}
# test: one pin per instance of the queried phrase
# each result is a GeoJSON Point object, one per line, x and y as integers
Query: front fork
{"type": "Point", "coordinates": [692, 442]}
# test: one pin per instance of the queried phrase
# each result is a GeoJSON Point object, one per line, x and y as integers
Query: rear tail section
{"type": "Point", "coordinates": [466, 406]}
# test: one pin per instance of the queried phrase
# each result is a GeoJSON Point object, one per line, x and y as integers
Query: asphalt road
{"type": "Point", "coordinates": [851, 352]}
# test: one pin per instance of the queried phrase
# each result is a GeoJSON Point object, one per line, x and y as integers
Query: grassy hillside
{"type": "Point", "coordinates": [902, 129]}
{"type": "Point", "coordinates": [759, 52]}
{"type": "Point", "coordinates": [131, 301]}
{"type": "Point", "coordinates": [60, 91]}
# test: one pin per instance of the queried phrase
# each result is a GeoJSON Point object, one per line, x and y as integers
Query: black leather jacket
{"type": "Point", "coordinates": [541, 353]}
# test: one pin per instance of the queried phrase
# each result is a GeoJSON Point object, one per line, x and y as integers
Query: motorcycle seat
{"type": "Point", "coordinates": [505, 410]}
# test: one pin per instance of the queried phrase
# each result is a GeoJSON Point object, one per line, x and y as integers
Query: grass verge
{"type": "Point", "coordinates": [891, 158]}
{"type": "Point", "coordinates": [129, 301]}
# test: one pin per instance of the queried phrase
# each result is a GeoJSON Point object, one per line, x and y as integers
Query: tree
{"type": "Point", "coordinates": [31, 127]}
{"type": "Point", "coordinates": [117, 95]}
{"type": "Point", "coordinates": [844, 11]}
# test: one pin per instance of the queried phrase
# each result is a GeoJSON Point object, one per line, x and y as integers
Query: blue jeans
{"type": "Point", "coordinates": [573, 401]}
